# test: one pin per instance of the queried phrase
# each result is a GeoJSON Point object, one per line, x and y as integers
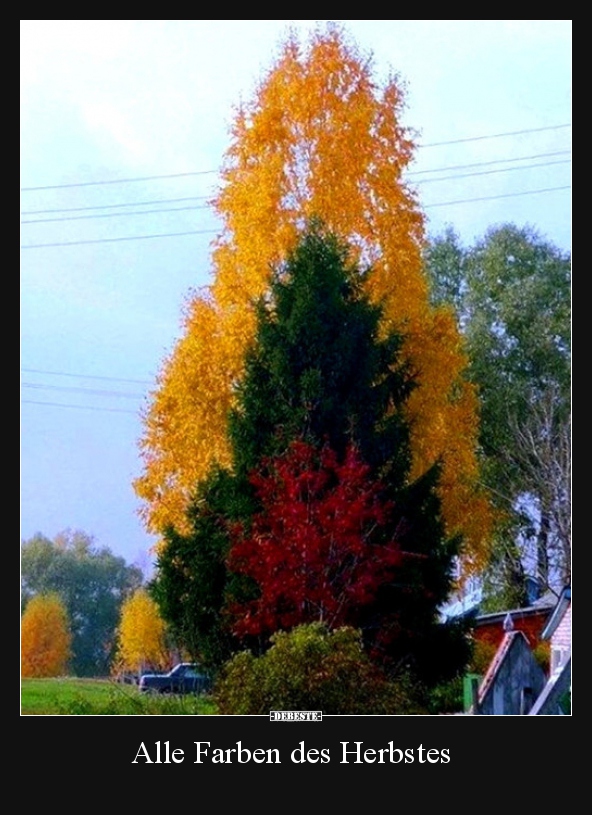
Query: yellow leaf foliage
{"type": "Point", "coordinates": [319, 138]}
{"type": "Point", "coordinates": [141, 635]}
{"type": "Point", "coordinates": [45, 637]}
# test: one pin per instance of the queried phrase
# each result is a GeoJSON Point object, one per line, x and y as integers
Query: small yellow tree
{"type": "Point", "coordinates": [141, 636]}
{"type": "Point", "coordinates": [45, 637]}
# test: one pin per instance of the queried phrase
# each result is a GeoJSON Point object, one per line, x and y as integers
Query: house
{"type": "Point", "coordinates": [530, 620]}
{"type": "Point", "coordinates": [513, 681]}
{"type": "Point", "coordinates": [558, 631]}
{"type": "Point", "coordinates": [555, 699]}
{"type": "Point", "coordinates": [489, 627]}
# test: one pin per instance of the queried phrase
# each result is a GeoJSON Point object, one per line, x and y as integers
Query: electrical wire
{"type": "Point", "coordinates": [215, 231]}
{"type": "Point", "coordinates": [122, 238]}
{"type": "Point", "coordinates": [82, 407]}
{"type": "Point", "coordinates": [184, 199]}
{"type": "Point", "coordinates": [208, 172]}
{"type": "Point", "coordinates": [115, 214]}
{"type": "Point", "coordinates": [205, 206]}
{"type": "Point", "coordinates": [493, 197]}
{"type": "Point", "coordinates": [72, 389]}
{"type": "Point", "coordinates": [86, 376]}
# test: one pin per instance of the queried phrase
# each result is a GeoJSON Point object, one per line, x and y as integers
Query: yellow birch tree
{"type": "Point", "coordinates": [45, 637]}
{"type": "Point", "coordinates": [320, 138]}
{"type": "Point", "coordinates": [141, 636]}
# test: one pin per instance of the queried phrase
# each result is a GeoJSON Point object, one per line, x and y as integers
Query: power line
{"type": "Point", "coordinates": [113, 206]}
{"type": "Point", "coordinates": [118, 180]}
{"type": "Point", "coordinates": [493, 197]}
{"type": "Point", "coordinates": [86, 376]}
{"type": "Point", "coordinates": [82, 407]}
{"type": "Point", "coordinates": [114, 214]}
{"type": "Point", "coordinates": [208, 172]}
{"type": "Point", "coordinates": [482, 163]}
{"type": "Point", "coordinates": [205, 197]}
{"type": "Point", "coordinates": [123, 238]}
{"type": "Point", "coordinates": [479, 172]}
{"type": "Point", "coordinates": [496, 135]}
{"type": "Point", "coordinates": [215, 231]}
{"type": "Point", "coordinates": [205, 206]}
{"type": "Point", "coordinates": [72, 389]}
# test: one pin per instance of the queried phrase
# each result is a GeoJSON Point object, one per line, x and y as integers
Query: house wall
{"type": "Point", "coordinates": [511, 673]}
{"type": "Point", "coordinates": [561, 641]}
{"type": "Point", "coordinates": [531, 626]}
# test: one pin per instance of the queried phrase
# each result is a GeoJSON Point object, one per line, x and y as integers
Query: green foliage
{"type": "Point", "coordinates": [512, 295]}
{"type": "Point", "coordinates": [483, 654]}
{"type": "Point", "coordinates": [320, 371]}
{"type": "Point", "coordinates": [446, 697]}
{"type": "Point", "coordinates": [192, 582]}
{"type": "Point", "coordinates": [542, 654]}
{"type": "Point", "coordinates": [565, 703]}
{"type": "Point", "coordinates": [504, 581]}
{"type": "Point", "coordinates": [311, 668]}
{"type": "Point", "coordinates": [91, 582]}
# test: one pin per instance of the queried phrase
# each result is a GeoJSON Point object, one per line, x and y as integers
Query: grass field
{"type": "Point", "coordinates": [67, 696]}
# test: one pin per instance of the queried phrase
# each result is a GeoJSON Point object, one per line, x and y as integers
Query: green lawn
{"type": "Point", "coordinates": [69, 696]}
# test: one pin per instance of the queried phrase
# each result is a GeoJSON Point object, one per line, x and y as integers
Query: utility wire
{"type": "Point", "coordinates": [82, 407]}
{"type": "Point", "coordinates": [207, 172]}
{"type": "Point", "coordinates": [123, 238]}
{"type": "Point", "coordinates": [205, 197]}
{"type": "Point", "coordinates": [205, 206]}
{"type": "Point", "coordinates": [89, 391]}
{"type": "Point", "coordinates": [215, 231]}
{"type": "Point", "coordinates": [496, 135]}
{"type": "Point", "coordinates": [116, 214]}
{"type": "Point", "coordinates": [493, 197]}
{"type": "Point", "coordinates": [113, 206]}
{"type": "Point", "coordinates": [86, 376]}
{"type": "Point", "coordinates": [480, 172]}
{"type": "Point", "coordinates": [118, 180]}
{"type": "Point", "coordinates": [487, 163]}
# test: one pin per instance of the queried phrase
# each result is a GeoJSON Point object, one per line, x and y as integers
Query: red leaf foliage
{"type": "Point", "coordinates": [311, 549]}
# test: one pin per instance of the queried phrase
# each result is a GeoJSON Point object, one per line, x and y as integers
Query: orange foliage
{"type": "Point", "coordinates": [319, 138]}
{"type": "Point", "coordinates": [45, 637]}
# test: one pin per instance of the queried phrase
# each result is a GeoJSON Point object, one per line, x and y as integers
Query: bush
{"type": "Point", "coordinates": [483, 654]}
{"type": "Point", "coordinates": [542, 654]}
{"type": "Point", "coordinates": [311, 668]}
{"type": "Point", "coordinates": [446, 697]}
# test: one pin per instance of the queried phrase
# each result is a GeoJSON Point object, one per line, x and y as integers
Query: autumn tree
{"type": "Point", "coordinates": [319, 517]}
{"type": "Point", "coordinates": [312, 550]}
{"type": "Point", "coordinates": [92, 583]}
{"type": "Point", "coordinates": [141, 635]}
{"type": "Point", "coordinates": [321, 137]}
{"type": "Point", "coordinates": [512, 294]}
{"type": "Point", "coordinates": [45, 637]}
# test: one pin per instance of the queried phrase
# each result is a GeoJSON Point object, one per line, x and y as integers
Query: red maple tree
{"type": "Point", "coordinates": [312, 548]}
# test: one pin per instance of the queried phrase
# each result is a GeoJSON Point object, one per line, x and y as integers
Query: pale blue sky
{"type": "Point", "coordinates": [105, 100]}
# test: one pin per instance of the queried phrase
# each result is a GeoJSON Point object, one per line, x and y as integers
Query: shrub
{"type": "Point", "coordinates": [542, 654]}
{"type": "Point", "coordinates": [446, 697]}
{"type": "Point", "coordinates": [311, 668]}
{"type": "Point", "coordinates": [483, 653]}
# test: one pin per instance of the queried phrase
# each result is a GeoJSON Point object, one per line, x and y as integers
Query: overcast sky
{"type": "Point", "coordinates": [110, 107]}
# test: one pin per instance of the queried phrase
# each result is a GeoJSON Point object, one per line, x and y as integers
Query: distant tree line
{"type": "Point", "coordinates": [91, 582]}
{"type": "Point", "coordinates": [511, 294]}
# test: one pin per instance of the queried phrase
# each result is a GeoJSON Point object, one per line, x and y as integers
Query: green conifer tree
{"type": "Point", "coordinates": [321, 372]}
